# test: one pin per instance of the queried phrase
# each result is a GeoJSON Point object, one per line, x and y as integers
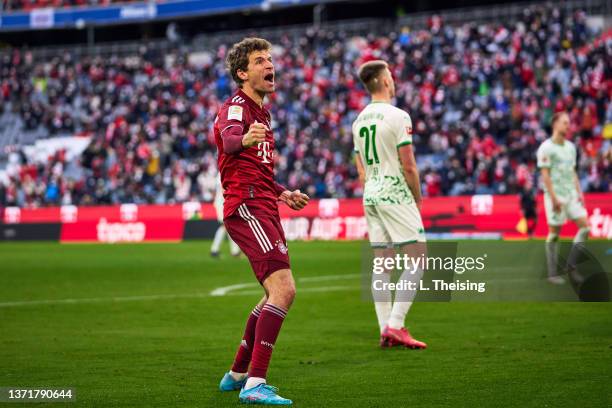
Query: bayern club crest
{"type": "Point", "coordinates": [281, 246]}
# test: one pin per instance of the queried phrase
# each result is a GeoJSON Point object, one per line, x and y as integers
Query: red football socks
{"type": "Point", "coordinates": [268, 326]}
{"type": "Point", "coordinates": [243, 355]}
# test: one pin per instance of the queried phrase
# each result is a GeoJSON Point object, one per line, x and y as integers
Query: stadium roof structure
{"type": "Point", "coordinates": [135, 12]}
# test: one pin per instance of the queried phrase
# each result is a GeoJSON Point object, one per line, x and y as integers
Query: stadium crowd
{"type": "Point", "coordinates": [480, 96]}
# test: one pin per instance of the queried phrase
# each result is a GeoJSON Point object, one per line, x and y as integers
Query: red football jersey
{"type": "Point", "coordinates": [247, 173]}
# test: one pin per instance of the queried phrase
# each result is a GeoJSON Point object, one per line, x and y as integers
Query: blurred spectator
{"type": "Point", "coordinates": [480, 96]}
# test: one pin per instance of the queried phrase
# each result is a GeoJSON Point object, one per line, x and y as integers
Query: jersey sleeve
{"type": "Point", "coordinates": [279, 188]}
{"type": "Point", "coordinates": [543, 156]}
{"type": "Point", "coordinates": [404, 132]}
{"type": "Point", "coordinates": [231, 124]}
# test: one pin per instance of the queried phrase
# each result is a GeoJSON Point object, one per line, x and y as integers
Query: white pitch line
{"type": "Point", "coordinates": [223, 291]}
{"type": "Point", "coordinates": [100, 300]}
{"type": "Point", "coordinates": [311, 290]}
{"type": "Point", "coordinates": [329, 277]}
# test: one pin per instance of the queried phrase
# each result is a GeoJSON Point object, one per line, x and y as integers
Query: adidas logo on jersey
{"type": "Point", "coordinates": [265, 343]}
{"type": "Point", "coordinates": [237, 99]}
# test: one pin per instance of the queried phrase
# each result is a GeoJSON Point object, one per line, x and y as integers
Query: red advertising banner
{"type": "Point", "coordinates": [110, 232]}
{"type": "Point", "coordinates": [479, 216]}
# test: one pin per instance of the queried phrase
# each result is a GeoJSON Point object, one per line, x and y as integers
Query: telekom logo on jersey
{"type": "Point", "coordinates": [264, 151]}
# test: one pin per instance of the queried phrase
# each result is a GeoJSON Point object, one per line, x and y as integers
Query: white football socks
{"type": "Point", "coordinates": [403, 298]}
{"type": "Point", "coordinates": [551, 254]}
{"type": "Point", "coordinates": [219, 235]}
{"type": "Point", "coordinates": [398, 314]}
{"type": "Point", "coordinates": [383, 313]}
{"type": "Point", "coordinates": [234, 249]}
{"type": "Point", "coordinates": [237, 376]}
{"type": "Point", "coordinates": [254, 382]}
{"type": "Point", "coordinates": [582, 235]}
{"type": "Point", "coordinates": [577, 247]}
{"type": "Point", "coordinates": [382, 298]}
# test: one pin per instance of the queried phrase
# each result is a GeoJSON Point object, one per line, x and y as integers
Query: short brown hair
{"type": "Point", "coordinates": [238, 56]}
{"type": "Point", "coordinates": [369, 74]}
{"type": "Point", "coordinates": [556, 117]}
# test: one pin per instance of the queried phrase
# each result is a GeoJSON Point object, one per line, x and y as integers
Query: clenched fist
{"type": "Point", "coordinates": [256, 134]}
{"type": "Point", "coordinates": [296, 200]}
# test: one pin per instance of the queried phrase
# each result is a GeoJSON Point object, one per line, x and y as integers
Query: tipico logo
{"type": "Point", "coordinates": [120, 232]}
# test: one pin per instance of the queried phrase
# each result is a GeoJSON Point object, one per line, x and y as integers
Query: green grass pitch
{"type": "Point", "coordinates": [135, 325]}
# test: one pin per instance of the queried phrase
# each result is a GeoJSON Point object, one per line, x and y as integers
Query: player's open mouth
{"type": "Point", "coordinates": [269, 78]}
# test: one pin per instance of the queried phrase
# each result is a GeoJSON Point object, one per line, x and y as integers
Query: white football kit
{"type": "Point", "coordinates": [561, 160]}
{"type": "Point", "coordinates": [390, 208]}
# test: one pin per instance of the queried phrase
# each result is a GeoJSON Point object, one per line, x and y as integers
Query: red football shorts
{"type": "Point", "coordinates": [258, 232]}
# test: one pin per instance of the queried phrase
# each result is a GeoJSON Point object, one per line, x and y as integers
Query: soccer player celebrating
{"type": "Point", "coordinates": [563, 198]}
{"type": "Point", "coordinates": [382, 135]}
{"type": "Point", "coordinates": [245, 145]}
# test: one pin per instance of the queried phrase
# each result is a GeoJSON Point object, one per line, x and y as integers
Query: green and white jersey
{"type": "Point", "coordinates": [561, 160]}
{"type": "Point", "coordinates": [378, 131]}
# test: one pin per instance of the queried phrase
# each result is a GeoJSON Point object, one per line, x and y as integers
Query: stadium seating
{"type": "Point", "coordinates": [26, 5]}
{"type": "Point", "coordinates": [480, 97]}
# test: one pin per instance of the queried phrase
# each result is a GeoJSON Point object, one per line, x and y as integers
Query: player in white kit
{"type": "Point", "coordinates": [563, 198]}
{"type": "Point", "coordinates": [221, 233]}
{"type": "Point", "coordinates": [382, 135]}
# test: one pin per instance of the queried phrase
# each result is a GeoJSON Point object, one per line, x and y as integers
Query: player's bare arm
{"type": "Point", "coordinates": [360, 169]}
{"type": "Point", "coordinates": [548, 186]}
{"type": "Point", "coordinates": [411, 172]}
{"type": "Point", "coordinates": [578, 189]}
